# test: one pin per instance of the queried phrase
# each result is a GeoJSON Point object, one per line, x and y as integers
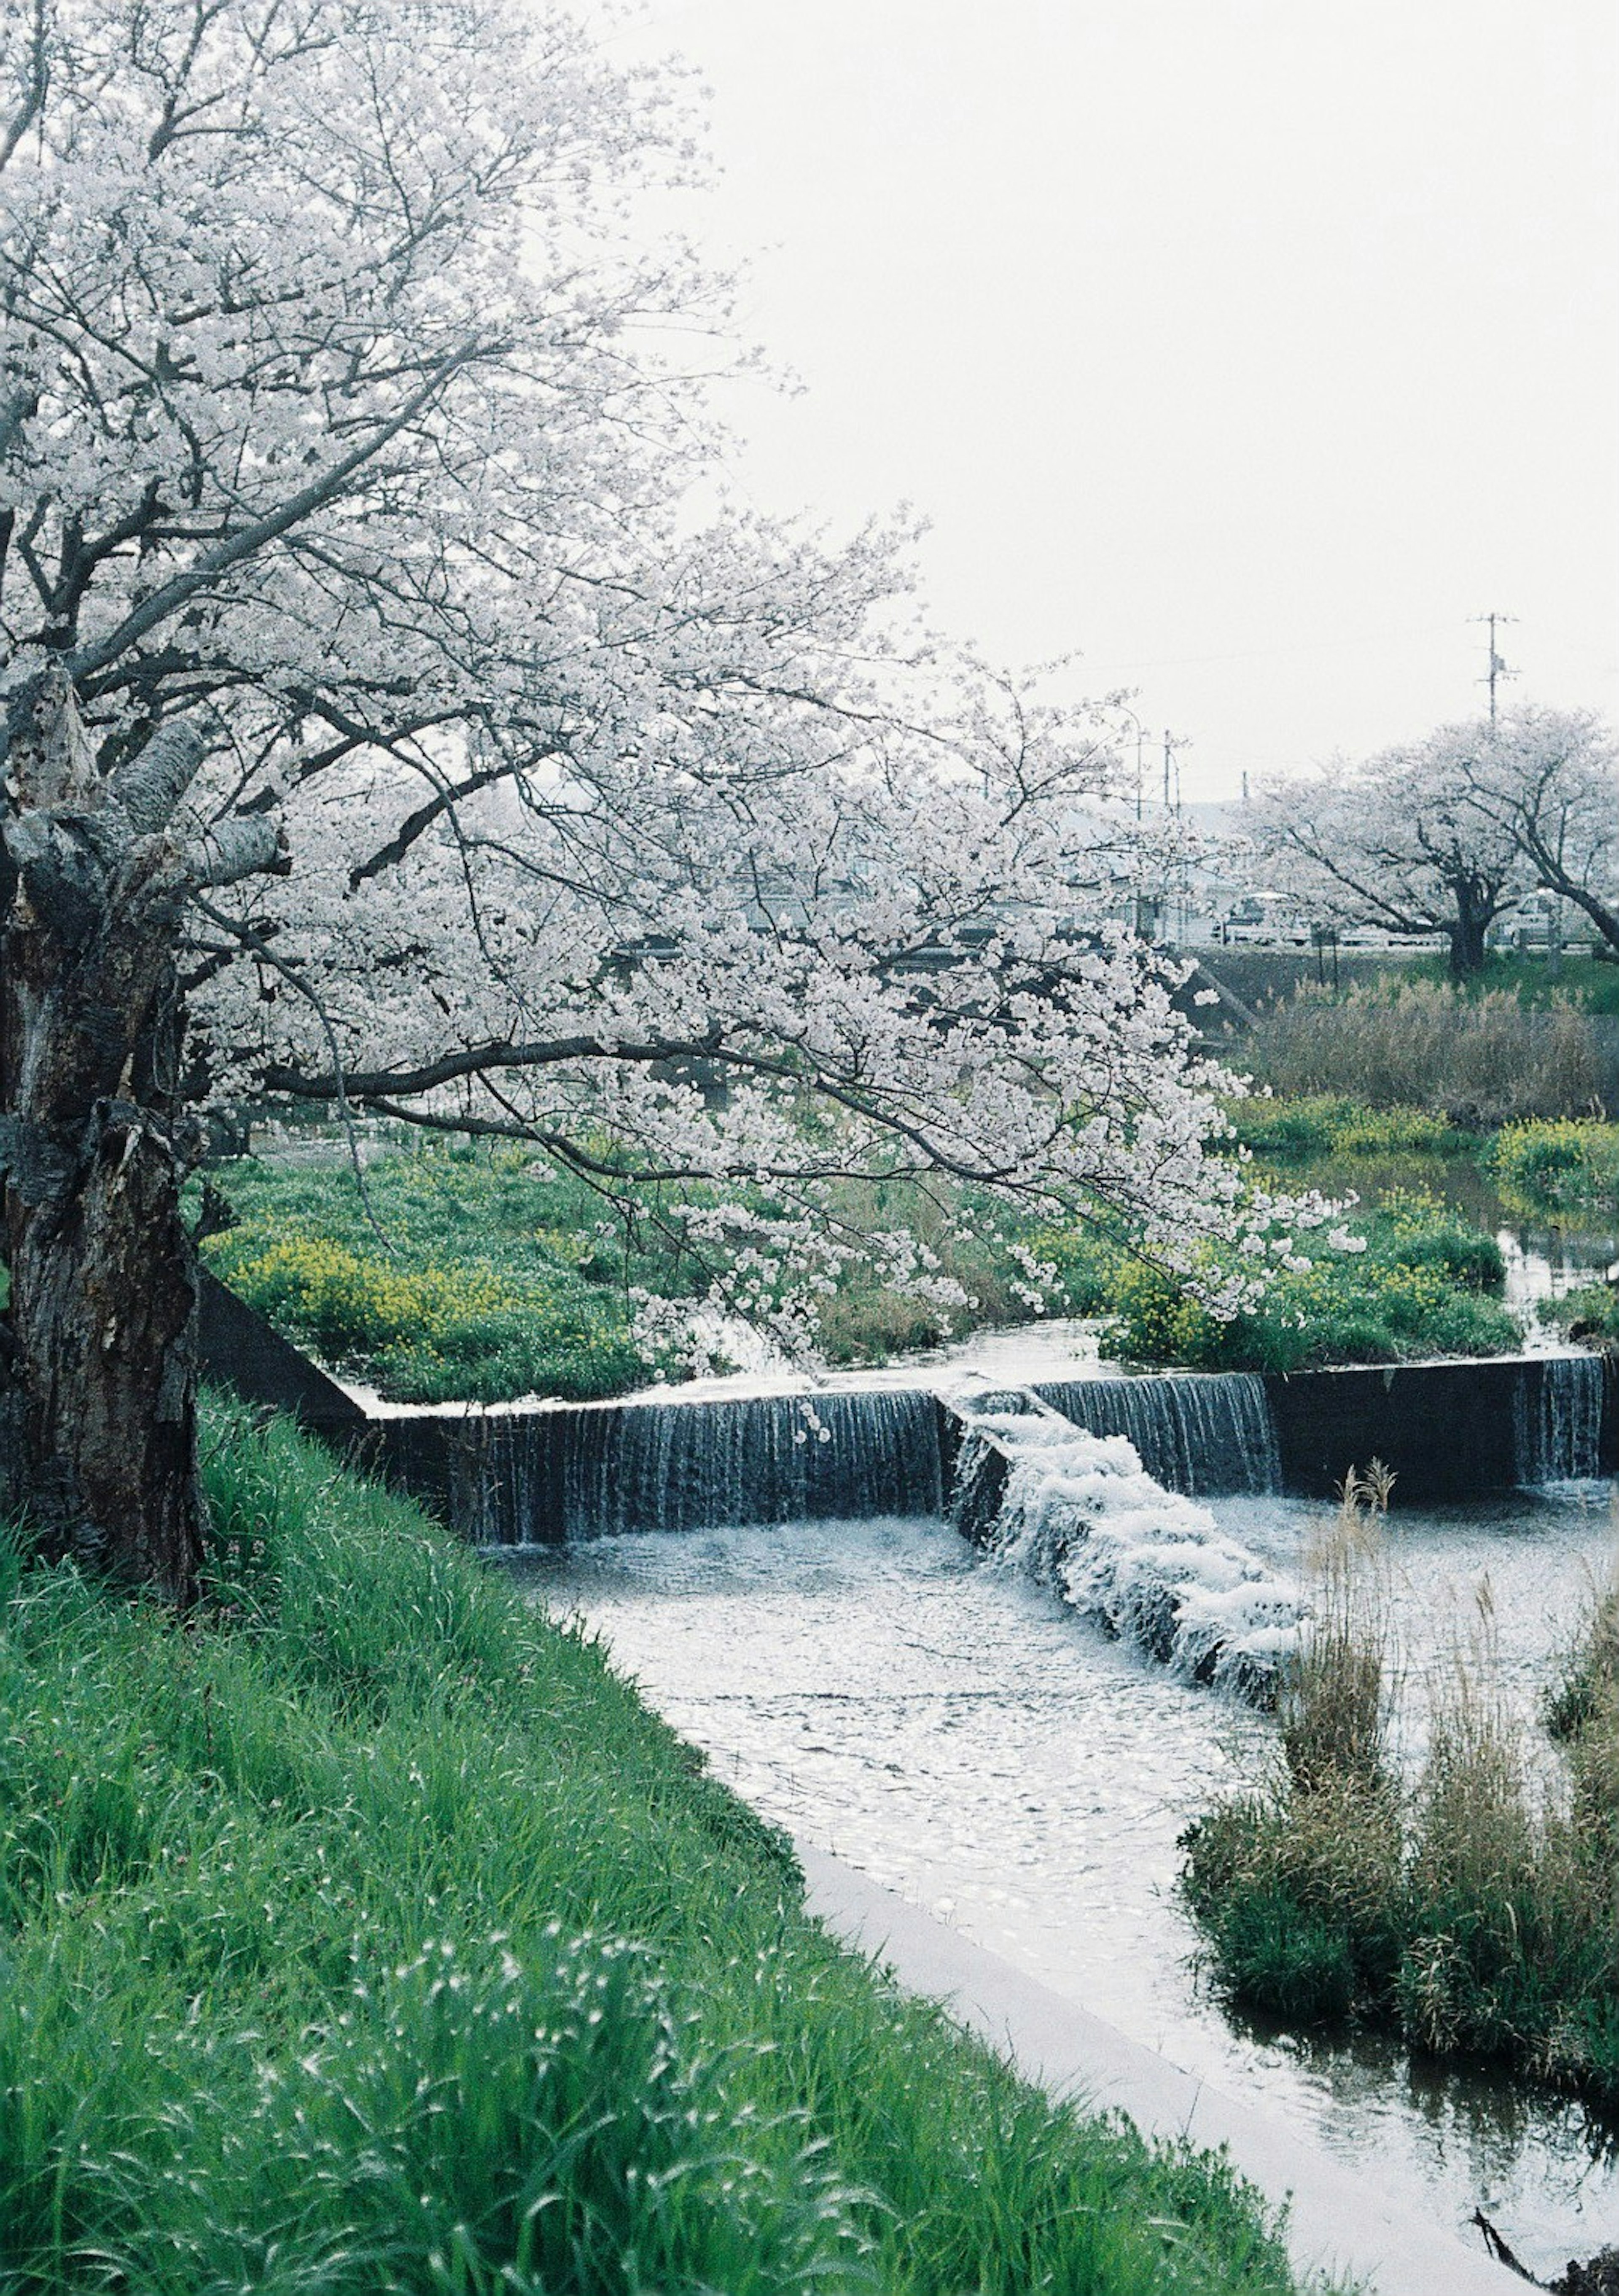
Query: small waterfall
{"type": "Point", "coordinates": [591, 1472]}
{"type": "Point", "coordinates": [1207, 1434]}
{"type": "Point", "coordinates": [677, 1466]}
{"type": "Point", "coordinates": [1080, 1512]}
{"type": "Point", "coordinates": [1557, 1419]}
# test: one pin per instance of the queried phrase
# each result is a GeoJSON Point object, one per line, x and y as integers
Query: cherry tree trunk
{"type": "Point", "coordinates": [1467, 929]}
{"type": "Point", "coordinates": [104, 1280]}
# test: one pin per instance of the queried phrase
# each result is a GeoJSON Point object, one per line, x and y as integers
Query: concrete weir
{"type": "Point", "coordinates": [544, 1474]}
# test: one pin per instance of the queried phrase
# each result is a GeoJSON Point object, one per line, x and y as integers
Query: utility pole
{"type": "Point", "coordinates": [1498, 667]}
{"type": "Point", "coordinates": [1175, 889]}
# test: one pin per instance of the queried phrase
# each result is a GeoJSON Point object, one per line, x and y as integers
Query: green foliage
{"type": "Point", "coordinates": [1423, 1285]}
{"type": "Point", "coordinates": [1559, 1167]}
{"type": "Point", "coordinates": [1324, 1124]}
{"type": "Point", "coordinates": [482, 1279]}
{"type": "Point", "coordinates": [971, 1236]}
{"type": "Point", "coordinates": [367, 1933]}
{"type": "Point", "coordinates": [466, 1273]}
{"type": "Point", "coordinates": [1589, 1313]}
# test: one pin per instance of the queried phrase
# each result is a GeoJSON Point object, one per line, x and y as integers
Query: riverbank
{"type": "Point", "coordinates": [961, 1736]}
{"type": "Point", "coordinates": [369, 1933]}
{"type": "Point", "coordinates": [479, 1276]}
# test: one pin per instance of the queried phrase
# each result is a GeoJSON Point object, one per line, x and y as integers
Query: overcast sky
{"type": "Point", "coordinates": [1248, 347]}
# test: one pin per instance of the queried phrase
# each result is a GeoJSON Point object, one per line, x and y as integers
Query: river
{"type": "Point", "coordinates": [951, 1729]}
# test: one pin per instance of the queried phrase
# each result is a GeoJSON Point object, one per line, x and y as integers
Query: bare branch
{"type": "Point", "coordinates": [151, 786]}
{"type": "Point", "coordinates": [248, 845]}
{"type": "Point", "coordinates": [204, 573]}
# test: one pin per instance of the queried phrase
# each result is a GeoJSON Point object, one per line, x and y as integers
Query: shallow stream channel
{"type": "Point", "coordinates": [927, 1711]}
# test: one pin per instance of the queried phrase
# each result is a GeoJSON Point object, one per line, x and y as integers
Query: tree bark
{"type": "Point", "coordinates": [1467, 929]}
{"type": "Point", "coordinates": [96, 1148]}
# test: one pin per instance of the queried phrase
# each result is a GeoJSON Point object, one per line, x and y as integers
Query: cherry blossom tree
{"type": "Point", "coordinates": [385, 729]}
{"type": "Point", "coordinates": [1396, 842]}
{"type": "Point", "coordinates": [1548, 780]}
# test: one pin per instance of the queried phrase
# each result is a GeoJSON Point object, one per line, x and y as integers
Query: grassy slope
{"type": "Point", "coordinates": [1592, 982]}
{"type": "Point", "coordinates": [372, 1936]}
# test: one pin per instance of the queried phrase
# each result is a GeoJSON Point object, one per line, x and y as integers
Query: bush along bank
{"type": "Point", "coordinates": [456, 1276]}
{"type": "Point", "coordinates": [365, 1933]}
{"type": "Point", "coordinates": [1474, 1909]}
{"type": "Point", "coordinates": [1566, 1169]}
{"type": "Point", "coordinates": [1407, 1280]}
{"type": "Point", "coordinates": [1325, 1124]}
{"type": "Point", "coordinates": [484, 1278]}
{"type": "Point", "coordinates": [477, 1274]}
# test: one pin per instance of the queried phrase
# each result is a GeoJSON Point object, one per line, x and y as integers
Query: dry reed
{"type": "Point", "coordinates": [1480, 1060]}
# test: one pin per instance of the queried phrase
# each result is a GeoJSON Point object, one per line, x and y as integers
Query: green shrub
{"type": "Point", "coordinates": [1589, 1313]}
{"type": "Point", "coordinates": [1559, 1167]}
{"type": "Point", "coordinates": [1409, 1227]}
{"type": "Point", "coordinates": [1295, 1129]}
{"type": "Point", "coordinates": [1306, 1125]}
{"type": "Point", "coordinates": [1420, 1287]}
{"type": "Point", "coordinates": [486, 1276]}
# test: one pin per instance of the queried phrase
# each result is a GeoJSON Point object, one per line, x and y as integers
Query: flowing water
{"type": "Point", "coordinates": [947, 1724]}
{"type": "Point", "coordinates": [1195, 1433]}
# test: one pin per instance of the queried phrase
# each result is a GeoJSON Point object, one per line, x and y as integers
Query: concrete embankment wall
{"type": "Point", "coordinates": [1448, 1431]}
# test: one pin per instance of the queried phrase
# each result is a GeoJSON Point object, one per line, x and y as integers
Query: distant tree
{"type": "Point", "coordinates": [1397, 841]}
{"type": "Point", "coordinates": [1548, 780]}
{"type": "Point", "coordinates": [385, 730]}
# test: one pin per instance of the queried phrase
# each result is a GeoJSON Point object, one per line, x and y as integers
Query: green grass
{"type": "Point", "coordinates": [485, 1274]}
{"type": "Point", "coordinates": [1284, 1130]}
{"type": "Point", "coordinates": [1592, 982]}
{"type": "Point", "coordinates": [367, 1934]}
{"type": "Point", "coordinates": [457, 1274]}
{"type": "Point", "coordinates": [1561, 1168]}
{"type": "Point", "coordinates": [1589, 1313]}
{"type": "Point", "coordinates": [494, 1277]}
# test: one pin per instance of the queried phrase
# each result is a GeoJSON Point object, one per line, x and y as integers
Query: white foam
{"type": "Point", "coordinates": [1081, 1513]}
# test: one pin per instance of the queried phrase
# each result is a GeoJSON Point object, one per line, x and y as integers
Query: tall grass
{"type": "Point", "coordinates": [1473, 1906]}
{"type": "Point", "coordinates": [1337, 1697]}
{"type": "Point", "coordinates": [1479, 1061]}
{"type": "Point", "coordinates": [367, 1934]}
{"type": "Point", "coordinates": [1584, 1693]}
